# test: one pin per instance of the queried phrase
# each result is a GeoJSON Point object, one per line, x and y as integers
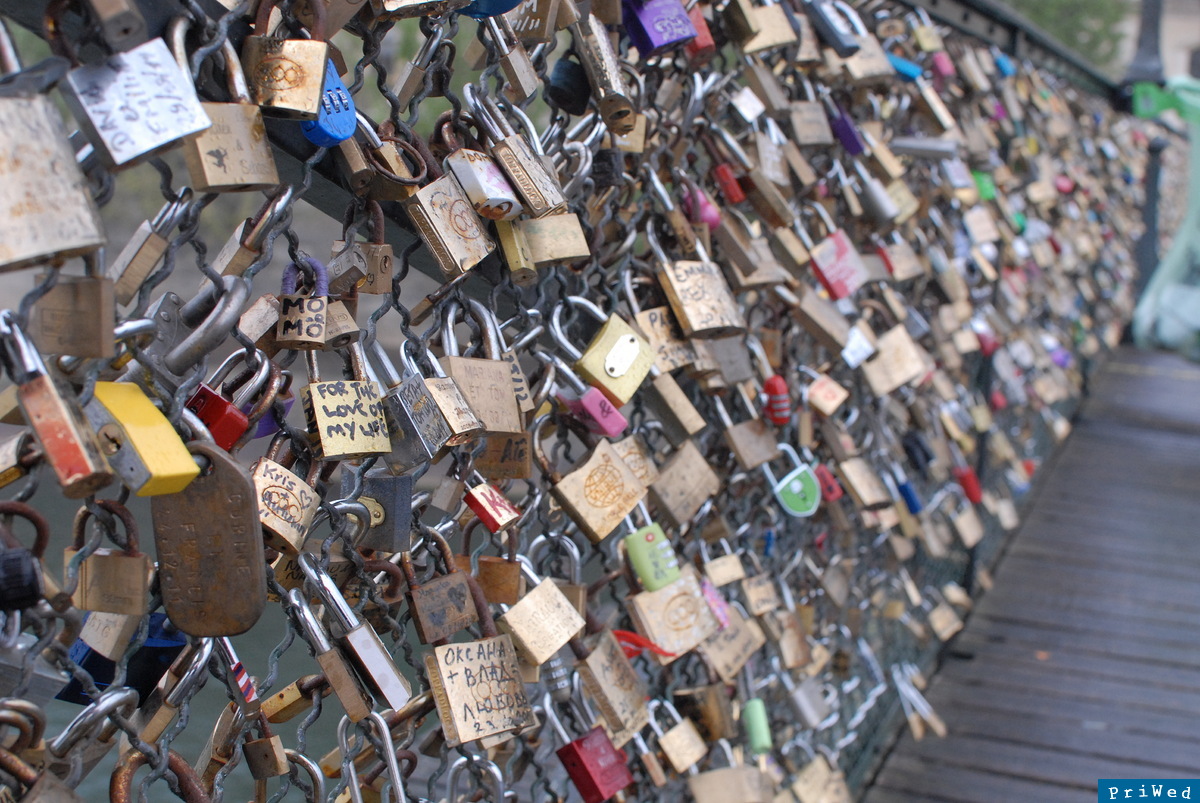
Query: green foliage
{"type": "Point", "coordinates": [1092, 28]}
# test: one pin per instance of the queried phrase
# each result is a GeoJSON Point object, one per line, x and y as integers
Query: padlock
{"type": "Point", "coordinates": [652, 555]}
{"type": "Point", "coordinates": [485, 383]}
{"type": "Point", "coordinates": [491, 506]}
{"type": "Point", "coordinates": [287, 76]}
{"type": "Point", "coordinates": [798, 492]}
{"type": "Point", "coordinates": [656, 26]}
{"type": "Point", "coordinates": [599, 60]}
{"type": "Point", "coordinates": [336, 120]}
{"type": "Point", "coordinates": [698, 293]}
{"type": "Point", "coordinates": [182, 679]}
{"type": "Point", "coordinates": [487, 188]}
{"type": "Point", "coordinates": [143, 88]}
{"type": "Point", "coordinates": [377, 254]}
{"type": "Point", "coordinates": [145, 249]}
{"type": "Point", "coordinates": [222, 416]}
{"type": "Point", "coordinates": [499, 578]}
{"type": "Point", "coordinates": [596, 768]}
{"type": "Point", "coordinates": [443, 605]}
{"type": "Point", "coordinates": [734, 782]}
{"type": "Point", "coordinates": [48, 215]}
{"type": "Point", "coordinates": [685, 483]}
{"type": "Point", "coordinates": [597, 493]}
{"type": "Point", "coordinates": [515, 63]}
{"type": "Point", "coordinates": [469, 710]}
{"type": "Point", "coordinates": [389, 498]}
{"type": "Point", "coordinates": [542, 621]}
{"type": "Point", "coordinates": [587, 404]}
{"type": "Point", "coordinates": [286, 503]}
{"type": "Point", "coordinates": [233, 155]}
{"type": "Point", "coordinates": [362, 646]}
{"type": "Point", "coordinates": [339, 673]}
{"type": "Point", "coordinates": [681, 742]}
{"type": "Point", "coordinates": [411, 74]}
{"type": "Point", "coordinates": [568, 88]}
{"type": "Point", "coordinates": [147, 665]}
{"type": "Point", "coordinates": [70, 444]}
{"type": "Point", "coordinates": [416, 427]}
{"type": "Point", "coordinates": [835, 260]}
{"type": "Point", "coordinates": [675, 618]}
{"type": "Point", "coordinates": [465, 426]}
{"type": "Point", "coordinates": [518, 157]}
{"type": "Point", "coordinates": [302, 317]}
{"type": "Point", "coordinates": [76, 315]}
{"type": "Point", "coordinates": [345, 417]}
{"type": "Point", "coordinates": [752, 441]}
{"type": "Point", "coordinates": [616, 359]}
{"type": "Point", "coordinates": [443, 217]}
{"type": "Point", "coordinates": [110, 580]}
{"type": "Point", "coordinates": [138, 440]}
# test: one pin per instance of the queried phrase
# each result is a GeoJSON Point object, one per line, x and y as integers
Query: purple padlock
{"type": "Point", "coordinates": [655, 26]}
{"type": "Point", "coordinates": [844, 128]}
{"type": "Point", "coordinates": [267, 426]}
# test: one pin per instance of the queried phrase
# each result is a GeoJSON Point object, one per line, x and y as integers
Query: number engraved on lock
{"type": "Point", "coordinates": [478, 689]}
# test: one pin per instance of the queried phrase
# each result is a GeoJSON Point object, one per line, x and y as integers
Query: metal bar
{"type": "Point", "coordinates": [326, 193]}
{"type": "Point", "coordinates": [1001, 26]}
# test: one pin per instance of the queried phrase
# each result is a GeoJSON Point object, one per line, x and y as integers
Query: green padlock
{"type": "Point", "coordinates": [757, 726]}
{"type": "Point", "coordinates": [799, 492]}
{"type": "Point", "coordinates": [652, 556]}
{"type": "Point", "coordinates": [985, 184]}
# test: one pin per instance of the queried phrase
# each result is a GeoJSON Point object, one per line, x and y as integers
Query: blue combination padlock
{"type": "Point", "coordinates": [336, 121]}
{"type": "Point", "coordinates": [907, 70]}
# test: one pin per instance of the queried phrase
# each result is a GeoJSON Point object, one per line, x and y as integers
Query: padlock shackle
{"type": "Point", "coordinates": [41, 527]}
{"type": "Point", "coordinates": [291, 277]}
{"type": "Point", "coordinates": [194, 677]}
{"type": "Point", "coordinates": [327, 590]}
{"type": "Point", "coordinates": [459, 768]}
{"type": "Point", "coordinates": [111, 506]}
{"type": "Point", "coordinates": [121, 700]}
{"type": "Point", "coordinates": [213, 322]}
{"type": "Point", "coordinates": [120, 786]}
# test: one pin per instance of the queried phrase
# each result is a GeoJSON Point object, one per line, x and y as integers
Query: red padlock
{"type": "Point", "coordinates": [597, 769]}
{"type": "Point", "coordinates": [699, 51]}
{"type": "Point", "coordinates": [969, 480]}
{"type": "Point", "coordinates": [778, 409]}
{"type": "Point", "coordinates": [831, 489]}
{"type": "Point", "coordinates": [224, 420]}
{"type": "Point", "coordinates": [491, 506]}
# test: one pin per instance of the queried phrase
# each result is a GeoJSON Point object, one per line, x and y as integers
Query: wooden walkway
{"type": "Point", "coordinates": [1083, 662]}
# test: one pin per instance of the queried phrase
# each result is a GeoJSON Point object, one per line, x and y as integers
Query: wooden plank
{"type": "Point", "coordinates": [944, 696]}
{"type": "Point", "coordinates": [1035, 763]}
{"type": "Point", "coordinates": [1046, 637]}
{"type": "Point", "coordinates": [1064, 735]}
{"type": "Point", "coordinates": [1075, 686]}
{"type": "Point", "coordinates": [1116, 667]}
{"type": "Point", "coordinates": [921, 779]}
{"type": "Point", "coordinates": [1105, 628]}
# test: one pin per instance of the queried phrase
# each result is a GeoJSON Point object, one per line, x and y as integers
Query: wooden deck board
{"type": "Point", "coordinates": [1084, 662]}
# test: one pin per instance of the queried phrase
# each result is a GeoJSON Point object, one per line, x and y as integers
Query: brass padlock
{"type": "Point", "coordinates": [302, 317]}
{"type": "Point", "coordinates": [443, 605]}
{"type": "Point", "coordinates": [233, 155]}
{"type": "Point", "coordinates": [344, 416]}
{"type": "Point", "coordinates": [598, 493]}
{"type": "Point", "coordinates": [542, 621]}
{"type": "Point", "coordinates": [616, 359]}
{"type": "Point", "coordinates": [287, 76]}
{"type": "Point", "coordinates": [114, 581]}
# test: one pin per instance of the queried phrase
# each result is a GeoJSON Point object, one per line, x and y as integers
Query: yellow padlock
{"type": "Point", "coordinates": [141, 445]}
{"type": "Point", "coordinates": [616, 360]}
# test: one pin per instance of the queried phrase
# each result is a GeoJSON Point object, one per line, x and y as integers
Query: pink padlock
{"type": "Point", "coordinates": [591, 407]}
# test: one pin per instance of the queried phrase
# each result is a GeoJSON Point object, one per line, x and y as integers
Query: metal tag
{"type": "Point", "coordinates": [210, 558]}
